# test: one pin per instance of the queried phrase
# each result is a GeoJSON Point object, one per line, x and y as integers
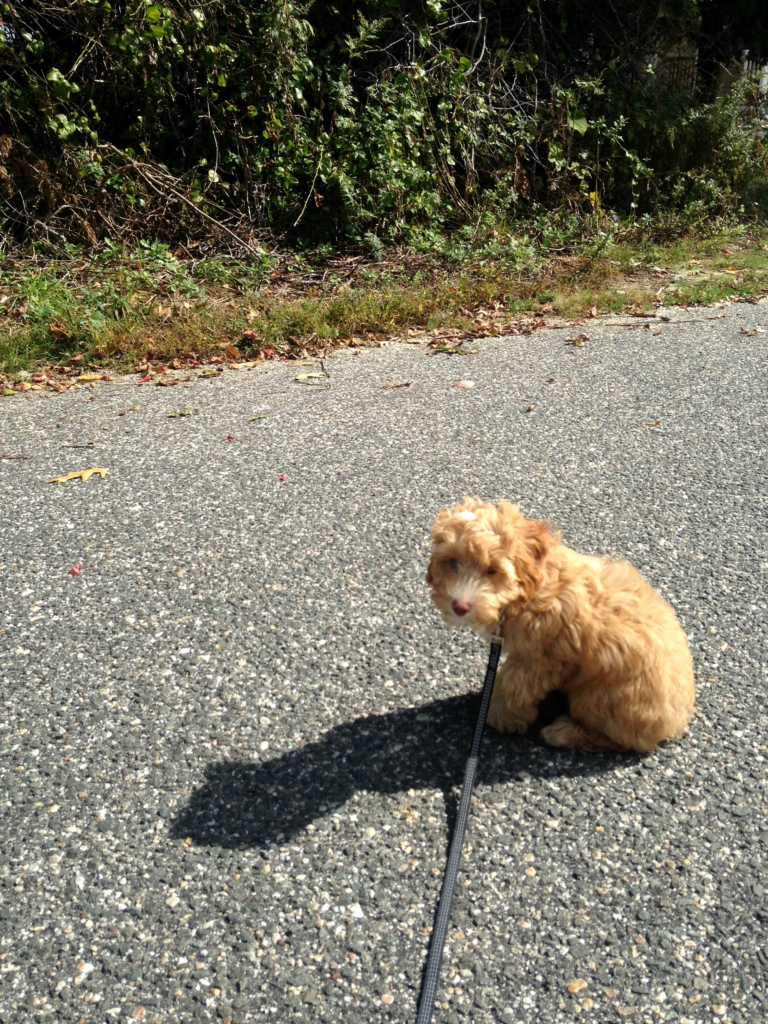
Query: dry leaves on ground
{"type": "Point", "coordinates": [81, 474]}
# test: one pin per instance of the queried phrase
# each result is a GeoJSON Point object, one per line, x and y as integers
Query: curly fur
{"type": "Point", "coordinates": [590, 627]}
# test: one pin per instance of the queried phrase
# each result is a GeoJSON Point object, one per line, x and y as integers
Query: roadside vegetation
{"type": "Point", "coordinates": [277, 179]}
{"type": "Point", "coordinates": [152, 306]}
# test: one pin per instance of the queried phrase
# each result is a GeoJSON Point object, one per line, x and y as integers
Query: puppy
{"type": "Point", "coordinates": [590, 627]}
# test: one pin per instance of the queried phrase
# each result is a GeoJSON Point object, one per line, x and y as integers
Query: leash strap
{"type": "Point", "coordinates": [443, 915]}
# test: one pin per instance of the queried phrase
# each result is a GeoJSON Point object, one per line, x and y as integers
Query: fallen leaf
{"type": "Point", "coordinates": [144, 380]}
{"type": "Point", "coordinates": [210, 373]}
{"type": "Point", "coordinates": [451, 350]}
{"type": "Point", "coordinates": [593, 311]}
{"type": "Point", "coordinates": [577, 339]}
{"type": "Point", "coordinates": [397, 384]}
{"type": "Point", "coordinates": [86, 377]}
{"type": "Point", "coordinates": [250, 335]}
{"type": "Point", "coordinates": [464, 384]}
{"type": "Point", "coordinates": [232, 351]}
{"type": "Point", "coordinates": [230, 437]}
{"type": "Point", "coordinates": [310, 378]}
{"type": "Point", "coordinates": [9, 392]}
{"type": "Point", "coordinates": [186, 411]}
{"type": "Point", "coordinates": [282, 478]}
{"type": "Point", "coordinates": [76, 570]}
{"type": "Point", "coordinates": [138, 1013]}
{"type": "Point", "coordinates": [752, 334]}
{"type": "Point", "coordinates": [263, 416]}
{"type": "Point", "coordinates": [82, 474]}
{"type": "Point", "coordinates": [269, 353]}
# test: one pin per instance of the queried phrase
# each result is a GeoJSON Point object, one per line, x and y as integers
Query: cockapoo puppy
{"type": "Point", "coordinates": [592, 628]}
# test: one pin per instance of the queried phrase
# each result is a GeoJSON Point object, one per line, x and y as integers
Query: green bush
{"type": "Point", "coordinates": [329, 122]}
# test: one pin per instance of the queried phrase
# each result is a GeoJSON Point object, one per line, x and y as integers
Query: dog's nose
{"type": "Point", "coordinates": [461, 607]}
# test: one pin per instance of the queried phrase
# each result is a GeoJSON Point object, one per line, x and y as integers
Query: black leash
{"type": "Point", "coordinates": [443, 915]}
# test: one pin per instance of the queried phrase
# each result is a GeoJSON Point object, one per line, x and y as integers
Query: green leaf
{"type": "Point", "coordinates": [61, 86]}
{"type": "Point", "coordinates": [154, 13]}
{"type": "Point", "coordinates": [577, 120]}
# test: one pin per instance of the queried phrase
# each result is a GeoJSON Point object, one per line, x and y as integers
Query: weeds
{"type": "Point", "coordinates": [125, 308]}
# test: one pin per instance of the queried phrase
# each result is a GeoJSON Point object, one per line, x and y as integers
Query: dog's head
{"type": "Point", "coordinates": [485, 559]}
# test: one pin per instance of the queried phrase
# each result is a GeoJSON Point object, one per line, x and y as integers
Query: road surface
{"type": "Point", "coordinates": [232, 745]}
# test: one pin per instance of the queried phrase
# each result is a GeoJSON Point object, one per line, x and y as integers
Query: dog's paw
{"type": "Point", "coordinates": [561, 733]}
{"type": "Point", "coordinates": [506, 722]}
{"type": "Point", "coordinates": [565, 732]}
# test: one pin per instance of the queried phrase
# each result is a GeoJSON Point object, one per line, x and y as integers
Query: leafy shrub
{"type": "Point", "coordinates": [328, 122]}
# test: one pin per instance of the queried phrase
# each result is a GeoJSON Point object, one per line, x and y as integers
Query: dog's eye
{"type": "Point", "coordinates": [453, 565]}
{"type": "Point", "coordinates": [490, 572]}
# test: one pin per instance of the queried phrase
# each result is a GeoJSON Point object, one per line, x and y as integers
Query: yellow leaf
{"type": "Point", "coordinates": [81, 474]}
{"type": "Point", "coordinates": [309, 376]}
{"type": "Point", "coordinates": [85, 377]}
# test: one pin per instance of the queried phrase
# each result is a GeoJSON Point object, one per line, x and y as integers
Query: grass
{"type": "Point", "coordinates": [121, 309]}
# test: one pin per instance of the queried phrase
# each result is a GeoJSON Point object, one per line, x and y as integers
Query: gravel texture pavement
{"type": "Point", "coordinates": [232, 744]}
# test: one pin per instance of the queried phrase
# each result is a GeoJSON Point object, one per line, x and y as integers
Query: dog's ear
{"type": "Point", "coordinates": [529, 541]}
{"type": "Point", "coordinates": [441, 531]}
{"type": "Point", "coordinates": [534, 544]}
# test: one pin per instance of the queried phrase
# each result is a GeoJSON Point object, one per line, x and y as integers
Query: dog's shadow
{"type": "Point", "coordinates": [244, 803]}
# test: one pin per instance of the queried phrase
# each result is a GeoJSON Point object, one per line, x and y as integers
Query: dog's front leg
{"type": "Point", "coordinates": [520, 686]}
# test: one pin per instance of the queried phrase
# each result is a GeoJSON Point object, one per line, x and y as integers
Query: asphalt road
{"type": "Point", "coordinates": [231, 747]}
